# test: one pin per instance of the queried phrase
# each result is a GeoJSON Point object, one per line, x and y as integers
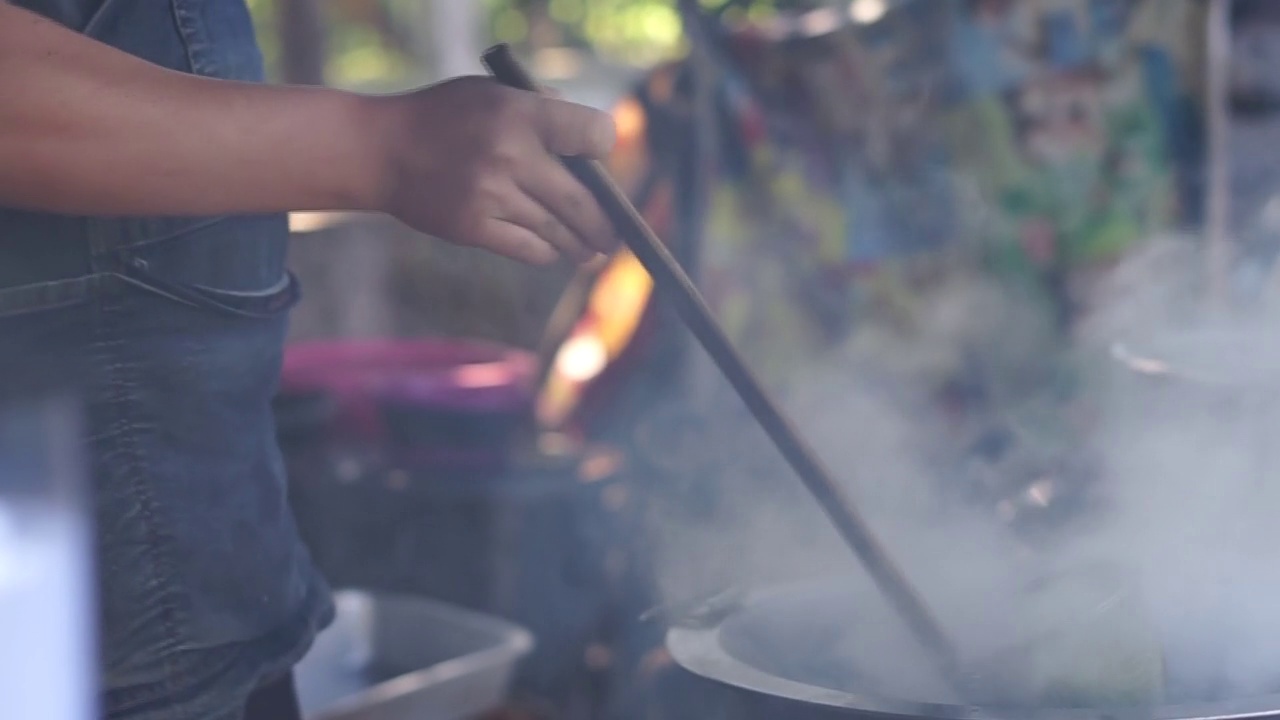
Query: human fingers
{"type": "Point", "coordinates": [570, 129]}
{"type": "Point", "coordinates": [516, 242]}
{"type": "Point", "coordinates": [552, 185]}
{"type": "Point", "coordinates": [527, 211]}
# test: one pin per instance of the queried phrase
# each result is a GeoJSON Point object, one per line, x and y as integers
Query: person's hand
{"type": "Point", "coordinates": [475, 163]}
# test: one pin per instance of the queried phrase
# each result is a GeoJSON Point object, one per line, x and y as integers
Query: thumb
{"type": "Point", "coordinates": [570, 129]}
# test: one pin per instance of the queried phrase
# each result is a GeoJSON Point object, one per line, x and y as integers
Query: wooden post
{"type": "Point", "coordinates": [452, 32]}
{"type": "Point", "coordinates": [701, 377]}
{"type": "Point", "coordinates": [1218, 171]}
{"type": "Point", "coordinates": [302, 42]}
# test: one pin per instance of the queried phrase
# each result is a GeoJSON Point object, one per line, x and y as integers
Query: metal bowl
{"type": "Point", "coordinates": [395, 657]}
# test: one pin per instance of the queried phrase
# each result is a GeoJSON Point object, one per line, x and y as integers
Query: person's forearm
{"type": "Point", "coordinates": [87, 129]}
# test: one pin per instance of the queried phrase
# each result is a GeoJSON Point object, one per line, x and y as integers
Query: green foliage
{"type": "Point", "coordinates": [635, 32]}
{"type": "Point", "coordinates": [639, 31]}
{"type": "Point", "coordinates": [359, 56]}
{"type": "Point", "coordinates": [264, 19]}
{"type": "Point", "coordinates": [357, 53]}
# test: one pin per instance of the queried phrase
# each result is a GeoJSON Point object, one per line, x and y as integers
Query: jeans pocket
{"type": "Point", "coordinates": [263, 304]}
{"type": "Point", "coordinates": [235, 266]}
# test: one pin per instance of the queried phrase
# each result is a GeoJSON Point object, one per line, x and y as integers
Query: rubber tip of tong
{"type": "Point", "coordinates": [501, 50]}
{"type": "Point", "coordinates": [504, 67]}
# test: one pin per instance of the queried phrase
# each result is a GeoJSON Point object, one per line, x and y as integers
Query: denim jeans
{"type": "Point", "coordinates": [175, 328]}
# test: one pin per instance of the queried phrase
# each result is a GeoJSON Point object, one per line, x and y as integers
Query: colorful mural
{"type": "Point", "coordinates": [1033, 142]}
{"type": "Point", "coordinates": [1075, 152]}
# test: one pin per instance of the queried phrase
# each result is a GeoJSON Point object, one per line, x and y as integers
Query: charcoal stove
{"type": "Point", "coordinates": [793, 652]}
{"type": "Point", "coordinates": [415, 470]}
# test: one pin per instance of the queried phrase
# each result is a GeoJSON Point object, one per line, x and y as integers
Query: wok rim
{"type": "Point", "coordinates": [698, 650]}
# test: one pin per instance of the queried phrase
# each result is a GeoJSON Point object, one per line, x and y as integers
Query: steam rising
{"type": "Point", "coordinates": [1185, 505]}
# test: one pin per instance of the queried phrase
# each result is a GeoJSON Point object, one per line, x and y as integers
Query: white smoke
{"type": "Point", "coordinates": [1186, 503]}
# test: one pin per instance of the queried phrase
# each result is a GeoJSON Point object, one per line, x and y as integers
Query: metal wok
{"type": "Point", "coordinates": [784, 654]}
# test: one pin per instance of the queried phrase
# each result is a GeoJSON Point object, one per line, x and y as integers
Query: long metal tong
{"type": "Point", "coordinates": [674, 285]}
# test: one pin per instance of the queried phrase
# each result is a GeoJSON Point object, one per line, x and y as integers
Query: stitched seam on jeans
{"type": "Point", "coordinates": [181, 231]}
{"type": "Point", "coordinates": [40, 297]}
{"type": "Point", "coordinates": [188, 27]}
{"type": "Point", "coordinates": [91, 26]}
{"type": "Point", "coordinates": [120, 382]}
{"type": "Point", "coordinates": [152, 289]}
{"type": "Point", "coordinates": [281, 285]}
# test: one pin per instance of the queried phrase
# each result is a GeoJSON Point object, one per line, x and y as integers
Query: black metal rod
{"type": "Point", "coordinates": [673, 284]}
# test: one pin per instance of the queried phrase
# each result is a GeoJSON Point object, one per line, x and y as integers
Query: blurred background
{"type": "Point", "coordinates": [913, 210]}
{"type": "Point", "coordinates": [933, 195]}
